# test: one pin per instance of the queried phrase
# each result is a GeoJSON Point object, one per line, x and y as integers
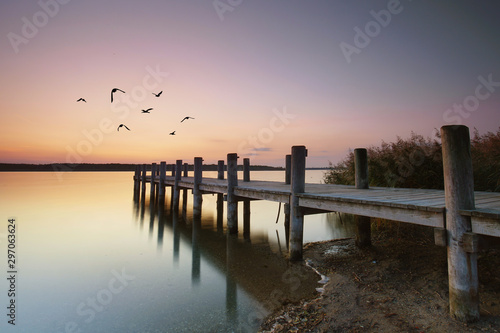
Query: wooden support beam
{"type": "Point", "coordinates": [246, 169]}
{"type": "Point", "coordinates": [197, 196]}
{"type": "Point", "coordinates": [232, 201]}
{"type": "Point", "coordinates": [363, 225]}
{"type": "Point", "coordinates": [137, 182]}
{"type": "Point", "coordinates": [459, 195]}
{"type": "Point", "coordinates": [246, 219]}
{"type": "Point", "coordinates": [298, 180]}
{"type": "Point", "coordinates": [144, 169]}
{"type": "Point", "coordinates": [152, 182]}
{"type": "Point", "coordinates": [177, 192]}
{"type": "Point", "coordinates": [163, 174]}
{"type": "Point", "coordinates": [440, 236]}
{"type": "Point", "coordinates": [184, 193]}
{"type": "Point", "coordinates": [220, 197]}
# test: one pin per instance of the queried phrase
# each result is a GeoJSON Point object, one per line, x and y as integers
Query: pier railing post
{"type": "Point", "coordinates": [197, 197]}
{"type": "Point", "coordinates": [143, 187]}
{"type": "Point", "coordinates": [232, 202]}
{"type": "Point", "coordinates": [363, 226]}
{"type": "Point", "coordinates": [163, 174]}
{"type": "Point", "coordinates": [184, 192]}
{"type": "Point", "coordinates": [288, 169]}
{"type": "Point", "coordinates": [220, 197]}
{"type": "Point", "coordinates": [152, 183]}
{"type": "Point", "coordinates": [246, 169]}
{"type": "Point", "coordinates": [137, 182]}
{"type": "Point", "coordinates": [459, 195]}
{"type": "Point", "coordinates": [178, 166]}
{"type": "Point", "coordinates": [298, 179]}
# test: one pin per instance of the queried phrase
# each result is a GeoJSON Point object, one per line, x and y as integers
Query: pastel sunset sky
{"type": "Point", "coordinates": [258, 76]}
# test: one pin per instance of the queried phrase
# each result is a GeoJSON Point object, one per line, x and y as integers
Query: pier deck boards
{"type": "Point", "coordinates": [418, 206]}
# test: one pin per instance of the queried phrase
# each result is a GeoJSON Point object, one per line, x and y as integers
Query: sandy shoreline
{"type": "Point", "coordinates": [400, 284]}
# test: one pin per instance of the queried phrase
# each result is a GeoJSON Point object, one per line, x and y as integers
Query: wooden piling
{"type": "Point", "coordinates": [459, 195]}
{"type": "Point", "coordinates": [178, 166]}
{"type": "Point", "coordinates": [197, 197]}
{"type": "Point", "coordinates": [298, 180]}
{"type": "Point", "coordinates": [288, 168]}
{"type": "Point", "coordinates": [363, 225]}
{"type": "Point", "coordinates": [137, 182]}
{"type": "Point", "coordinates": [220, 197]}
{"type": "Point", "coordinates": [220, 169]}
{"type": "Point", "coordinates": [246, 219]}
{"type": "Point", "coordinates": [143, 187]}
{"type": "Point", "coordinates": [232, 202]}
{"type": "Point", "coordinates": [152, 183]}
{"type": "Point", "coordinates": [246, 169]}
{"type": "Point", "coordinates": [184, 192]}
{"type": "Point", "coordinates": [163, 174]}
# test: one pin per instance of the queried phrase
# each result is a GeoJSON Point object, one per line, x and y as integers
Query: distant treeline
{"type": "Point", "coordinates": [59, 167]}
{"type": "Point", "coordinates": [417, 162]}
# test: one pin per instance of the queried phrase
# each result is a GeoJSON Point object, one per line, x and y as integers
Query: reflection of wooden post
{"type": "Point", "coordinates": [459, 195]}
{"type": "Point", "coordinates": [363, 226]}
{"type": "Point", "coordinates": [197, 197]}
{"type": "Point", "coordinates": [232, 202]}
{"type": "Point", "coordinates": [298, 181]}
{"type": "Point", "coordinates": [288, 168]}
{"type": "Point", "coordinates": [152, 183]}
{"type": "Point", "coordinates": [220, 197]}
{"type": "Point", "coordinates": [178, 166]}
{"type": "Point", "coordinates": [246, 169]}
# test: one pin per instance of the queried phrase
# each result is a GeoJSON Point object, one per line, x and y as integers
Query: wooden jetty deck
{"type": "Point", "coordinates": [458, 214]}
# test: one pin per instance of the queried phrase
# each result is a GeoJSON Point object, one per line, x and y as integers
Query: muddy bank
{"type": "Point", "coordinates": [400, 284]}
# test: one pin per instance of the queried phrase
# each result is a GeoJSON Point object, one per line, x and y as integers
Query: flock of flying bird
{"type": "Point", "coordinates": [143, 111]}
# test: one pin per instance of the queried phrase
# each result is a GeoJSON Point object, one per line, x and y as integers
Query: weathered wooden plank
{"type": "Point", "coordinates": [276, 196]}
{"type": "Point", "coordinates": [416, 216]}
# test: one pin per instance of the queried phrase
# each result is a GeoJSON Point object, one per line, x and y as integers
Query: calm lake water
{"type": "Point", "coordinates": [90, 259]}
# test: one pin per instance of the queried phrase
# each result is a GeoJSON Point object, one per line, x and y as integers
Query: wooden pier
{"type": "Point", "coordinates": [458, 214]}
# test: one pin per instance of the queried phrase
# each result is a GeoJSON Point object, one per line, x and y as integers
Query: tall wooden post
{"type": "Point", "coordinates": [298, 180]}
{"type": "Point", "coordinates": [246, 219]}
{"type": "Point", "coordinates": [288, 168]}
{"type": "Point", "coordinates": [152, 183]}
{"type": "Point", "coordinates": [363, 226]}
{"type": "Point", "coordinates": [220, 197]}
{"type": "Point", "coordinates": [232, 202]}
{"type": "Point", "coordinates": [197, 197]}
{"type": "Point", "coordinates": [246, 169]}
{"type": "Point", "coordinates": [459, 195]}
{"type": "Point", "coordinates": [143, 187]}
{"type": "Point", "coordinates": [178, 166]}
{"type": "Point", "coordinates": [163, 174]}
{"type": "Point", "coordinates": [184, 192]}
{"type": "Point", "coordinates": [137, 182]}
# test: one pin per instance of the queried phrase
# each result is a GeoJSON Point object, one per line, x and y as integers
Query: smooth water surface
{"type": "Point", "coordinates": [90, 259]}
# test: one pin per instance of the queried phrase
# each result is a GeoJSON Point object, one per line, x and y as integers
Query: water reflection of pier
{"type": "Point", "coordinates": [248, 263]}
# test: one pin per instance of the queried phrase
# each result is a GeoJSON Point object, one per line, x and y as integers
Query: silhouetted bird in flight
{"type": "Point", "coordinates": [81, 100]}
{"type": "Point", "coordinates": [147, 111]}
{"type": "Point", "coordinates": [121, 125]}
{"type": "Point", "coordinates": [113, 91]}
{"type": "Point", "coordinates": [186, 118]}
{"type": "Point", "coordinates": [173, 133]}
{"type": "Point", "coordinates": [158, 94]}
